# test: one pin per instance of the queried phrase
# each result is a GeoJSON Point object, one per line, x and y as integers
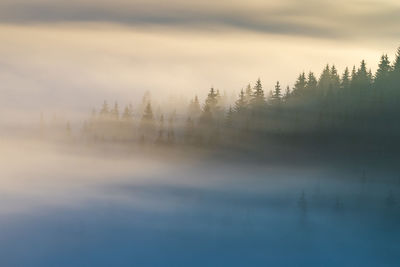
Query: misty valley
{"type": "Point", "coordinates": [304, 176]}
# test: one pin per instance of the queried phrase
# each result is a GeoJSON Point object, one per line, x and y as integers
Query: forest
{"type": "Point", "coordinates": [357, 112]}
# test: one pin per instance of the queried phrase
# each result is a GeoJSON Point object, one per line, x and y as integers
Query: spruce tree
{"type": "Point", "coordinates": [219, 98]}
{"type": "Point", "coordinates": [325, 80]}
{"type": "Point", "coordinates": [146, 99]}
{"type": "Point", "coordinates": [396, 63]}
{"type": "Point", "coordinates": [127, 122]}
{"type": "Point", "coordinates": [258, 99]}
{"type": "Point", "coordinates": [335, 79]}
{"type": "Point", "coordinates": [229, 118]}
{"type": "Point", "coordinates": [394, 81]}
{"type": "Point", "coordinates": [211, 100]}
{"type": "Point", "coordinates": [248, 94]}
{"type": "Point", "coordinates": [240, 104]}
{"type": "Point", "coordinates": [345, 81]}
{"type": "Point", "coordinates": [287, 93]}
{"type": "Point", "coordinates": [277, 93]}
{"type": "Point", "coordinates": [384, 69]}
{"type": "Point", "coordinates": [115, 112]}
{"type": "Point", "coordinates": [312, 82]}
{"type": "Point", "coordinates": [300, 85]}
{"type": "Point", "coordinates": [194, 107]}
{"type": "Point", "coordinates": [147, 123]}
{"type": "Point", "coordinates": [127, 115]}
{"type": "Point", "coordinates": [363, 78]}
{"type": "Point", "coordinates": [148, 113]}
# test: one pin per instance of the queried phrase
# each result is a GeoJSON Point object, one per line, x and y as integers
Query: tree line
{"type": "Point", "coordinates": [357, 108]}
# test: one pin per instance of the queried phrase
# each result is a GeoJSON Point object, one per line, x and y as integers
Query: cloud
{"type": "Point", "coordinates": [320, 19]}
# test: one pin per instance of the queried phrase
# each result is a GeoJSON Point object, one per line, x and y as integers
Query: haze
{"type": "Point", "coordinates": [68, 56]}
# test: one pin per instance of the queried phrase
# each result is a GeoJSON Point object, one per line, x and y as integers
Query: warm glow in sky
{"type": "Point", "coordinates": [63, 54]}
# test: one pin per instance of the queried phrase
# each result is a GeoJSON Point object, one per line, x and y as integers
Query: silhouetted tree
{"type": "Point", "coordinates": [104, 109]}
{"type": "Point", "coordinates": [345, 82]}
{"type": "Point", "coordinates": [248, 94]}
{"type": "Point", "coordinates": [277, 93]}
{"type": "Point", "coordinates": [311, 84]}
{"type": "Point", "coordinates": [300, 85]}
{"type": "Point", "coordinates": [240, 104]}
{"type": "Point", "coordinates": [147, 123]}
{"type": "Point", "coordinates": [258, 99]}
{"type": "Point", "coordinates": [194, 107]}
{"type": "Point", "coordinates": [229, 118]}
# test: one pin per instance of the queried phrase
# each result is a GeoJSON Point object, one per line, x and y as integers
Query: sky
{"type": "Point", "coordinates": [69, 55]}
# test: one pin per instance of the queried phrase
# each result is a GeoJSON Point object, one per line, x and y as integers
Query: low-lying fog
{"type": "Point", "coordinates": [63, 207]}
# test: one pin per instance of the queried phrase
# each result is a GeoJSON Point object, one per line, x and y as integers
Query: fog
{"type": "Point", "coordinates": [188, 133]}
{"type": "Point", "coordinates": [68, 69]}
{"type": "Point", "coordinates": [63, 205]}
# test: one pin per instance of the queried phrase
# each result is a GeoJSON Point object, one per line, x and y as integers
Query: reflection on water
{"type": "Point", "coordinates": [63, 209]}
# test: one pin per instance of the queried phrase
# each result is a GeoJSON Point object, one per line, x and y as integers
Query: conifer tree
{"type": "Point", "coordinates": [394, 82]}
{"type": "Point", "coordinates": [396, 63]}
{"type": "Point", "coordinates": [277, 93]}
{"type": "Point", "coordinates": [127, 115]}
{"type": "Point", "coordinates": [219, 98]}
{"type": "Point", "coordinates": [127, 123]}
{"type": "Point", "coordinates": [363, 78]}
{"type": "Point", "coordinates": [211, 100]}
{"type": "Point", "coordinates": [147, 123]}
{"type": "Point", "coordinates": [300, 85]}
{"type": "Point", "coordinates": [335, 79]}
{"type": "Point", "coordinates": [258, 99]}
{"type": "Point", "coordinates": [345, 81]}
{"type": "Point", "coordinates": [287, 93]}
{"type": "Point", "coordinates": [104, 109]}
{"type": "Point", "coordinates": [115, 112]}
{"type": "Point", "coordinates": [229, 118]}
{"type": "Point", "coordinates": [194, 107]}
{"type": "Point", "coordinates": [370, 76]}
{"type": "Point", "coordinates": [353, 76]}
{"type": "Point", "coordinates": [248, 94]}
{"type": "Point", "coordinates": [325, 80]}
{"type": "Point", "coordinates": [240, 104]}
{"type": "Point", "coordinates": [148, 113]}
{"type": "Point", "coordinates": [146, 99]}
{"type": "Point", "coordinates": [383, 72]}
{"type": "Point", "coordinates": [312, 82]}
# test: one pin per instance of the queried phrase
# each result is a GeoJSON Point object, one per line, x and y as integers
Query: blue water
{"type": "Point", "coordinates": [233, 217]}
